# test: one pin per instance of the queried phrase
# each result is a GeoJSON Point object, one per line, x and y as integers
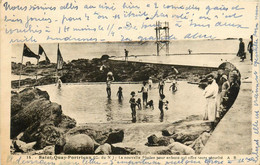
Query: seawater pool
{"type": "Point", "coordinates": [88, 103]}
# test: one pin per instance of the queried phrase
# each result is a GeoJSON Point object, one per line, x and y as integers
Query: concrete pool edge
{"type": "Point", "coordinates": [233, 133]}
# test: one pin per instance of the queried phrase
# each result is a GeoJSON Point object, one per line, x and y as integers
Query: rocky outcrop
{"type": "Point", "coordinates": [84, 70]}
{"type": "Point", "coordinates": [38, 118]}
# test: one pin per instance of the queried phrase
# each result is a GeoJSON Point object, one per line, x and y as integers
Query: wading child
{"type": "Point", "coordinates": [144, 90]}
{"type": "Point", "coordinates": [110, 78]}
{"type": "Point", "coordinates": [108, 89]}
{"type": "Point", "coordinates": [133, 105]}
{"type": "Point", "coordinates": [138, 103]}
{"type": "Point", "coordinates": [120, 93]}
{"type": "Point", "coordinates": [173, 87]}
{"type": "Point", "coordinates": [161, 103]}
{"type": "Point", "coordinates": [161, 86]}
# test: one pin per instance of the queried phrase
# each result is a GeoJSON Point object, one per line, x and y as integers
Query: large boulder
{"type": "Point", "coordinates": [79, 144]}
{"type": "Point", "coordinates": [200, 142]}
{"type": "Point", "coordinates": [181, 148]}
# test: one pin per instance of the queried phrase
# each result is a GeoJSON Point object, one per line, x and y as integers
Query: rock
{"type": "Point", "coordinates": [152, 140]}
{"type": "Point", "coordinates": [104, 149]}
{"type": "Point", "coordinates": [20, 136]}
{"type": "Point", "coordinates": [163, 152]}
{"type": "Point", "coordinates": [45, 135]}
{"type": "Point", "coordinates": [67, 122]}
{"type": "Point", "coordinates": [181, 148]}
{"type": "Point", "coordinates": [59, 145]}
{"type": "Point", "coordinates": [49, 150]}
{"type": "Point", "coordinates": [37, 111]}
{"type": "Point", "coordinates": [167, 152]}
{"type": "Point", "coordinates": [18, 144]}
{"type": "Point", "coordinates": [39, 119]}
{"type": "Point", "coordinates": [124, 150]}
{"type": "Point", "coordinates": [188, 143]}
{"type": "Point", "coordinates": [200, 142]}
{"type": "Point", "coordinates": [79, 144]}
{"type": "Point", "coordinates": [190, 131]}
{"type": "Point", "coordinates": [115, 137]}
{"type": "Point", "coordinates": [99, 133]}
{"type": "Point", "coordinates": [21, 146]}
{"type": "Point", "coordinates": [164, 141]}
{"type": "Point", "coordinates": [168, 132]}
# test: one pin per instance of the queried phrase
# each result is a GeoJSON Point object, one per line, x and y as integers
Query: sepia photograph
{"type": "Point", "coordinates": [151, 97]}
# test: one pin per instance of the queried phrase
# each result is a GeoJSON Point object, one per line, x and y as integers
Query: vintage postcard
{"type": "Point", "coordinates": [129, 82]}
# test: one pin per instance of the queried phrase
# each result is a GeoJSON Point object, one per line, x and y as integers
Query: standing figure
{"type": "Point", "coordinates": [133, 106]}
{"type": "Point", "coordinates": [59, 83]}
{"type": "Point", "coordinates": [126, 54]}
{"type": "Point", "coordinates": [223, 99]}
{"type": "Point", "coordinates": [161, 86]}
{"type": "Point", "coordinates": [210, 93]}
{"type": "Point", "coordinates": [250, 48]}
{"type": "Point", "coordinates": [241, 51]}
{"type": "Point", "coordinates": [120, 93]}
{"type": "Point", "coordinates": [150, 82]}
{"type": "Point", "coordinates": [108, 89]}
{"type": "Point", "coordinates": [161, 103]}
{"type": "Point", "coordinates": [144, 90]}
{"type": "Point", "coordinates": [110, 78]}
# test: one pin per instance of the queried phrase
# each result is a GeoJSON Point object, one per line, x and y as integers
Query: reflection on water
{"type": "Point", "coordinates": [88, 103]}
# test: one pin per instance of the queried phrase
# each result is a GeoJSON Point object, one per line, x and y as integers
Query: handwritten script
{"type": "Point", "coordinates": [81, 21]}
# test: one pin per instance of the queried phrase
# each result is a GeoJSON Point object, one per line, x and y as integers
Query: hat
{"type": "Point", "coordinates": [225, 77]}
{"type": "Point", "coordinates": [132, 93]}
{"type": "Point", "coordinates": [110, 73]}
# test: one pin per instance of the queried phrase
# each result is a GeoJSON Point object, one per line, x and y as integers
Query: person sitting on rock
{"type": "Point", "coordinates": [132, 106]}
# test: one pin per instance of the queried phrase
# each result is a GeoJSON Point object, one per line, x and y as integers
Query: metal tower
{"type": "Point", "coordinates": [162, 37]}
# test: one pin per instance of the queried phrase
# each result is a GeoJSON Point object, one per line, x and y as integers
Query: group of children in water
{"type": "Point", "coordinates": [136, 103]}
